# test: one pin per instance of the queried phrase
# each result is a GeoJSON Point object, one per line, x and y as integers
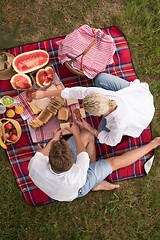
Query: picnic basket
{"type": "Point", "coordinates": [69, 63]}
{"type": "Point", "coordinates": [17, 126]}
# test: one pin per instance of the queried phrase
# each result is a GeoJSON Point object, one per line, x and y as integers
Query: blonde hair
{"type": "Point", "coordinates": [98, 104]}
{"type": "Point", "coordinates": [61, 157]}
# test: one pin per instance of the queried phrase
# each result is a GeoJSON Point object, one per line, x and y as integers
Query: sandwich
{"type": "Point", "coordinates": [71, 101]}
{"type": "Point", "coordinates": [79, 113]}
{"type": "Point", "coordinates": [63, 125]}
{"type": "Point", "coordinates": [64, 114]}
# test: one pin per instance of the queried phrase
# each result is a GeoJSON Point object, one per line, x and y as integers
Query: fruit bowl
{"type": "Point", "coordinates": [11, 130]}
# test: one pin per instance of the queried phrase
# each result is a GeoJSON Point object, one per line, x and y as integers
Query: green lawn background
{"type": "Point", "coordinates": [131, 212]}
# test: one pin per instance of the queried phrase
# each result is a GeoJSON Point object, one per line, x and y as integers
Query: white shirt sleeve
{"type": "Point", "coordinates": [81, 92]}
{"type": "Point", "coordinates": [115, 135]}
{"type": "Point", "coordinates": [75, 92]}
{"type": "Point", "coordinates": [37, 159]}
{"type": "Point", "coordinates": [83, 160]}
{"type": "Point", "coordinates": [110, 138]}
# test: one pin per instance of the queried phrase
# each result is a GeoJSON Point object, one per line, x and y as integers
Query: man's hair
{"type": "Point", "coordinates": [61, 157]}
{"type": "Point", "coordinates": [97, 104]}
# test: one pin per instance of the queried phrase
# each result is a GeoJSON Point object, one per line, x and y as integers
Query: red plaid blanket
{"type": "Point", "coordinates": [20, 153]}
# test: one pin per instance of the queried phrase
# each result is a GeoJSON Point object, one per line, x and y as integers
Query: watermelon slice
{"type": "Point", "coordinates": [45, 76]}
{"type": "Point", "coordinates": [21, 81]}
{"type": "Point", "coordinates": [49, 72]}
{"type": "Point", "coordinates": [30, 61]}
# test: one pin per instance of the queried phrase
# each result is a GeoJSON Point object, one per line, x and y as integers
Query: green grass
{"type": "Point", "coordinates": [131, 212]}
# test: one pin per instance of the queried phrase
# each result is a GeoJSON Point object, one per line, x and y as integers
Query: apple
{"type": "Point", "coordinates": [8, 126]}
{"type": "Point", "coordinates": [7, 135]}
{"type": "Point", "coordinates": [13, 137]}
{"type": "Point", "coordinates": [14, 131]}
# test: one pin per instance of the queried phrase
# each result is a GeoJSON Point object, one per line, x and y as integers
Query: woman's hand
{"type": "Point", "coordinates": [81, 122]}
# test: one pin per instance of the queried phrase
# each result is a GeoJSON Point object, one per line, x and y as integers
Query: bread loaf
{"type": "Point", "coordinates": [47, 113]}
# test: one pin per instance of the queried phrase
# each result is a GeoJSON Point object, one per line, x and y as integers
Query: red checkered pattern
{"type": "Point", "coordinates": [96, 59]}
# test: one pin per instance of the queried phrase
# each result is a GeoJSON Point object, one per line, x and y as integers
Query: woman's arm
{"type": "Point", "coordinates": [88, 127]}
{"type": "Point", "coordinates": [42, 94]}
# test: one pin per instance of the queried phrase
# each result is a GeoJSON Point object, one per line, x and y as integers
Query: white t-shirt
{"type": "Point", "coordinates": [134, 112]}
{"type": "Point", "coordinates": [63, 186]}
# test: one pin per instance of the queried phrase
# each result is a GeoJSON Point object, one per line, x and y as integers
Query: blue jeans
{"type": "Point", "coordinates": [96, 173]}
{"type": "Point", "coordinates": [109, 82]}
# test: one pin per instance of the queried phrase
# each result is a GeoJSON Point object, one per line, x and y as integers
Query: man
{"type": "Point", "coordinates": [66, 170]}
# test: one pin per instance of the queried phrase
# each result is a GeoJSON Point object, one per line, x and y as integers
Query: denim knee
{"type": "Point", "coordinates": [110, 82]}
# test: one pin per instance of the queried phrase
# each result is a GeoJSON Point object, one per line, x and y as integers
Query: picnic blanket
{"type": "Point", "coordinates": [20, 153]}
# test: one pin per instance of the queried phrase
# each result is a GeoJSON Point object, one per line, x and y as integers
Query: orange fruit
{"type": "Point", "coordinates": [10, 113]}
{"type": "Point", "coordinates": [19, 110]}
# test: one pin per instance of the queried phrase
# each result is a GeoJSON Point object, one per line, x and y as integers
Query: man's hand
{"type": "Point", "coordinates": [56, 137]}
{"type": "Point", "coordinates": [57, 134]}
{"type": "Point", "coordinates": [38, 94]}
{"type": "Point", "coordinates": [74, 129]}
{"type": "Point", "coordinates": [81, 122]}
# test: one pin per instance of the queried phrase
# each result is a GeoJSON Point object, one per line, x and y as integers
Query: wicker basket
{"type": "Point", "coordinates": [17, 127]}
{"type": "Point", "coordinates": [76, 71]}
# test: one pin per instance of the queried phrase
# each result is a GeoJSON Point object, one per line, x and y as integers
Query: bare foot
{"type": "Point", "coordinates": [156, 141]}
{"type": "Point", "coordinates": [104, 185]}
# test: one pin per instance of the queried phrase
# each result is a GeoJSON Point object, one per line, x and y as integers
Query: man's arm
{"type": "Point", "coordinates": [76, 133]}
{"type": "Point", "coordinates": [56, 137]}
